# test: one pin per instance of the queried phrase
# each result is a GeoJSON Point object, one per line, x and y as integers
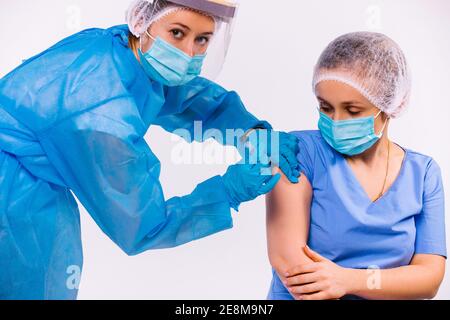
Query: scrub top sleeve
{"type": "Point", "coordinates": [217, 109]}
{"type": "Point", "coordinates": [306, 154]}
{"type": "Point", "coordinates": [103, 158]}
{"type": "Point", "coordinates": [430, 223]}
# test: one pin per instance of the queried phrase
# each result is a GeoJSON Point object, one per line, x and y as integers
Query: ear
{"type": "Point", "coordinates": [136, 27]}
{"type": "Point", "coordinates": [402, 105]}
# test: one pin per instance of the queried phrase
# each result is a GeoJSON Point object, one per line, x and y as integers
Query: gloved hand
{"type": "Point", "coordinates": [245, 182]}
{"type": "Point", "coordinates": [287, 158]}
{"type": "Point", "coordinates": [260, 141]}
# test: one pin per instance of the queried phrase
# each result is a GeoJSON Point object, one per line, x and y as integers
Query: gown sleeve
{"type": "Point", "coordinates": [216, 108]}
{"type": "Point", "coordinates": [430, 223]}
{"type": "Point", "coordinates": [104, 159]}
{"type": "Point", "coordinates": [79, 99]}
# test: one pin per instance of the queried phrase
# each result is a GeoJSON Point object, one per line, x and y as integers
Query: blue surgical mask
{"type": "Point", "coordinates": [350, 137]}
{"type": "Point", "coordinates": [168, 65]}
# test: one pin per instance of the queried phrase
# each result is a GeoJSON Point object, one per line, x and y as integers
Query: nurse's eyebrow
{"type": "Point", "coordinates": [208, 33]}
{"type": "Point", "coordinates": [181, 25]}
{"type": "Point", "coordinates": [324, 101]}
{"type": "Point", "coordinates": [352, 104]}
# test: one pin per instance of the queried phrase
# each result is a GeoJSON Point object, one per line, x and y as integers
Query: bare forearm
{"type": "Point", "coordinates": [408, 282]}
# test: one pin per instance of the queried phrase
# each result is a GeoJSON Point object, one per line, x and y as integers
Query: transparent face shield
{"type": "Point", "coordinates": [224, 13]}
{"type": "Point", "coordinates": [143, 16]}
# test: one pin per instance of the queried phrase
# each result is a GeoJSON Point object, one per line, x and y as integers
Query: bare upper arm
{"type": "Point", "coordinates": [288, 217]}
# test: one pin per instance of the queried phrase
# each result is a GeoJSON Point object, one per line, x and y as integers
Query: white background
{"type": "Point", "coordinates": [274, 48]}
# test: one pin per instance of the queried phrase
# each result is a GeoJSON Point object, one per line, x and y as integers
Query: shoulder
{"type": "Point", "coordinates": [423, 161]}
{"type": "Point", "coordinates": [308, 135]}
{"type": "Point", "coordinates": [75, 74]}
{"type": "Point", "coordinates": [314, 153]}
{"type": "Point", "coordinates": [425, 168]}
{"type": "Point", "coordinates": [312, 141]}
{"type": "Point", "coordinates": [89, 42]}
{"type": "Point", "coordinates": [84, 38]}
{"type": "Point", "coordinates": [44, 67]}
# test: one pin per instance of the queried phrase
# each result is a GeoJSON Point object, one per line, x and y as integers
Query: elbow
{"type": "Point", "coordinates": [433, 291]}
{"type": "Point", "coordinates": [433, 294]}
{"type": "Point", "coordinates": [129, 242]}
{"type": "Point", "coordinates": [278, 263]}
{"type": "Point", "coordinates": [435, 284]}
{"type": "Point", "coordinates": [135, 241]}
{"type": "Point", "coordinates": [130, 251]}
{"type": "Point", "coordinates": [128, 247]}
{"type": "Point", "coordinates": [283, 262]}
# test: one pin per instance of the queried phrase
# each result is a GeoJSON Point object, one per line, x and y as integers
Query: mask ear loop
{"type": "Point", "coordinates": [384, 126]}
{"type": "Point", "coordinates": [149, 35]}
{"type": "Point", "coordinates": [378, 114]}
{"type": "Point", "coordinates": [140, 39]}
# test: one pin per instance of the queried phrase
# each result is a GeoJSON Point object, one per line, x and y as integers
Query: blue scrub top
{"type": "Point", "coordinates": [354, 232]}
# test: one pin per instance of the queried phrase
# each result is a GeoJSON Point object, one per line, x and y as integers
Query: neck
{"type": "Point", "coordinates": [378, 151]}
{"type": "Point", "coordinates": [133, 44]}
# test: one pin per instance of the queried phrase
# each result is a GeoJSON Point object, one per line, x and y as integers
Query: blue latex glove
{"type": "Point", "coordinates": [288, 162]}
{"type": "Point", "coordinates": [260, 148]}
{"type": "Point", "coordinates": [245, 182]}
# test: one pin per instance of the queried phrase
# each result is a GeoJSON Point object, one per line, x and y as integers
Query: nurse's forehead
{"type": "Point", "coordinates": [190, 20]}
{"type": "Point", "coordinates": [335, 91]}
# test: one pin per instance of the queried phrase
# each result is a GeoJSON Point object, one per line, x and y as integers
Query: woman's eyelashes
{"type": "Point", "coordinates": [202, 40]}
{"type": "Point", "coordinates": [354, 113]}
{"type": "Point", "coordinates": [178, 34]}
{"type": "Point", "coordinates": [325, 107]}
{"type": "Point", "coordinates": [328, 109]}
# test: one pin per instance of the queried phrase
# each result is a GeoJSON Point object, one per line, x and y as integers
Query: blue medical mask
{"type": "Point", "coordinates": [350, 137]}
{"type": "Point", "coordinates": [169, 65]}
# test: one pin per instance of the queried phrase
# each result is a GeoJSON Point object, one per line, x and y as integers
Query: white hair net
{"type": "Point", "coordinates": [371, 63]}
{"type": "Point", "coordinates": [142, 13]}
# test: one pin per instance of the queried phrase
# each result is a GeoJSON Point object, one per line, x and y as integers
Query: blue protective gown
{"type": "Point", "coordinates": [354, 232]}
{"type": "Point", "coordinates": [73, 118]}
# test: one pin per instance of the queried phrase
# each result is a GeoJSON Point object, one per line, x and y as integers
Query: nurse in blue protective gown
{"type": "Point", "coordinates": [73, 119]}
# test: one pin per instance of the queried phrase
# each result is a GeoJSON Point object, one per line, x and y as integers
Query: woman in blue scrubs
{"type": "Point", "coordinates": [73, 119]}
{"type": "Point", "coordinates": [367, 218]}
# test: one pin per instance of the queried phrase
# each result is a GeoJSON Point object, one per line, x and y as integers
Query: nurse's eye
{"type": "Point", "coordinates": [202, 41]}
{"type": "Point", "coordinates": [325, 108]}
{"type": "Point", "coordinates": [177, 33]}
{"type": "Point", "coordinates": [354, 111]}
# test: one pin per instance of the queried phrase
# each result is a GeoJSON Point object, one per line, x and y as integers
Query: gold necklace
{"type": "Point", "coordinates": [387, 172]}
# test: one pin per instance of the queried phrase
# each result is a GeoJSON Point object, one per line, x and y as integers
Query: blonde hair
{"type": "Point", "coordinates": [133, 43]}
